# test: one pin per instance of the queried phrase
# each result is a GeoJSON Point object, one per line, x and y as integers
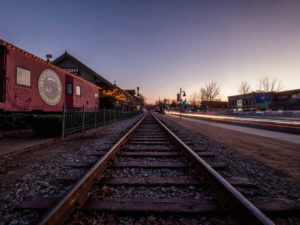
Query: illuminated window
{"type": "Point", "coordinates": [23, 77]}
{"type": "Point", "coordinates": [78, 90]}
{"type": "Point", "coordinates": [239, 103]}
{"type": "Point", "coordinates": [69, 88]}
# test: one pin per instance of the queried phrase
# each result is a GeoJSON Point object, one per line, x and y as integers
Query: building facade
{"type": "Point", "coordinates": [110, 93]}
{"type": "Point", "coordinates": [74, 66]}
{"type": "Point", "coordinates": [250, 102]}
{"type": "Point", "coordinates": [286, 100]}
{"type": "Point", "coordinates": [213, 106]}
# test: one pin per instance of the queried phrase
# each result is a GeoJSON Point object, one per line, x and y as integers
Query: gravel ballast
{"type": "Point", "coordinates": [270, 183]}
{"type": "Point", "coordinates": [29, 175]}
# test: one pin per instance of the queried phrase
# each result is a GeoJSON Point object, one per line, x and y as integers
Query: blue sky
{"type": "Point", "coordinates": [162, 45]}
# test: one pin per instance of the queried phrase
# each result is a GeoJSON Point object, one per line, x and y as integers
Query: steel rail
{"type": "Point", "coordinates": [78, 195]}
{"type": "Point", "coordinates": [228, 197]}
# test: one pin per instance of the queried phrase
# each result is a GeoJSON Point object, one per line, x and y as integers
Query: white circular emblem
{"type": "Point", "coordinates": [49, 87]}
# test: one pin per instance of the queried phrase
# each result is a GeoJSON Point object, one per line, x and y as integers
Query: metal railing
{"type": "Point", "coordinates": [80, 119]}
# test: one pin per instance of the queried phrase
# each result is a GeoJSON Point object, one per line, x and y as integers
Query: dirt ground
{"type": "Point", "coordinates": [279, 155]}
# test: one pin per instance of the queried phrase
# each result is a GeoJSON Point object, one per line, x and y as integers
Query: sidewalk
{"type": "Point", "coordinates": [10, 145]}
{"type": "Point", "coordinates": [13, 141]}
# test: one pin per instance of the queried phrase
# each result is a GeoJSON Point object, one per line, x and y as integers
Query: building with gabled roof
{"type": "Point", "coordinates": [76, 67]}
{"type": "Point", "coordinates": [73, 65]}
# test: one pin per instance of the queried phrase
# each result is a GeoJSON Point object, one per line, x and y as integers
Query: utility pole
{"type": "Point", "coordinates": [180, 104]}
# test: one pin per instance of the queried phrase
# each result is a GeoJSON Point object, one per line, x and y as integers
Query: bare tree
{"type": "Point", "coordinates": [173, 104]}
{"type": "Point", "coordinates": [267, 85]}
{"type": "Point", "coordinates": [142, 99]}
{"type": "Point", "coordinates": [244, 88]}
{"type": "Point", "coordinates": [202, 94]}
{"type": "Point", "coordinates": [193, 98]}
{"type": "Point", "coordinates": [210, 92]}
{"type": "Point", "coordinates": [167, 101]}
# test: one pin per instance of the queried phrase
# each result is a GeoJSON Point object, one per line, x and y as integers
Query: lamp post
{"type": "Point", "coordinates": [180, 91]}
{"type": "Point", "coordinates": [139, 97]}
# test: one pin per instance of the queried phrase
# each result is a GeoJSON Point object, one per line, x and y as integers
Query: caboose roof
{"type": "Point", "coordinates": [39, 60]}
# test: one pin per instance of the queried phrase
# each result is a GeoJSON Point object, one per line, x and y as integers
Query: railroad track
{"type": "Point", "coordinates": [151, 159]}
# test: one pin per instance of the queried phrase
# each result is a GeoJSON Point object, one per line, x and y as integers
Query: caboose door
{"type": "Point", "coordinates": [69, 91]}
{"type": "Point", "coordinates": [2, 73]}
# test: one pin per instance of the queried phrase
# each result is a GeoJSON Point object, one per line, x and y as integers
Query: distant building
{"type": "Point", "coordinates": [214, 105]}
{"type": "Point", "coordinates": [134, 94]}
{"type": "Point", "coordinates": [250, 102]}
{"type": "Point", "coordinates": [286, 100]}
{"type": "Point", "coordinates": [131, 92]}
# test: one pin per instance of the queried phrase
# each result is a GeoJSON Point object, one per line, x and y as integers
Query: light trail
{"type": "Point", "coordinates": [244, 120]}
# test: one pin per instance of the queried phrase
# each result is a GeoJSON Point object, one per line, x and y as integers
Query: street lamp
{"type": "Point", "coordinates": [179, 99]}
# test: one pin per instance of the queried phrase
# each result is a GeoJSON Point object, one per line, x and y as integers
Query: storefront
{"type": "Point", "coordinates": [250, 102]}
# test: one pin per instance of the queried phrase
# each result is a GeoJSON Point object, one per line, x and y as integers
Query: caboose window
{"type": "Point", "coordinates": [23, 77]}
{"type": "Point", "coordinates": [69, 88]}
{"type": "Point", "coordinates": [78, 90]}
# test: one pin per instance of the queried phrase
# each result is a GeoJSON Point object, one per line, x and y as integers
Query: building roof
{"type": "Point", "coordinates": [66, 55]}
{"type": "Point", "coordinates": [249, 94]}
{"type": "Point", "coordinates": [288, 92]}
{"type": "Point", "coordinates": [131, 92]}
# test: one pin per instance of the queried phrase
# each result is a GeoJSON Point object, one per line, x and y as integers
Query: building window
{"type": "Point", "coordinates": [23, 77]}
{"type": "Point", "coordinates": [69, 88]}
{"type": "Point", "coordinates": [78, 90]}
{"type": "Point", "coordinates": [240, 103]}
{"type": "Point", "coordinates": [296, 96]}
{"type": "Point", "coordinates": [250, 102]}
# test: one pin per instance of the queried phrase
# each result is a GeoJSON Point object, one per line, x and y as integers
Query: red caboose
{"type": "Point", "coordinates": [30, 84]}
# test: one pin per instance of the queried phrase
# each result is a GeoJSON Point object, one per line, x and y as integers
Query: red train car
{"type": "Point", "coordinates": [30, 84]}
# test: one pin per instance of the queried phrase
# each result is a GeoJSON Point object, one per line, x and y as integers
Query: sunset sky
{"type": "Point", "coordinates": [162, 45]}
